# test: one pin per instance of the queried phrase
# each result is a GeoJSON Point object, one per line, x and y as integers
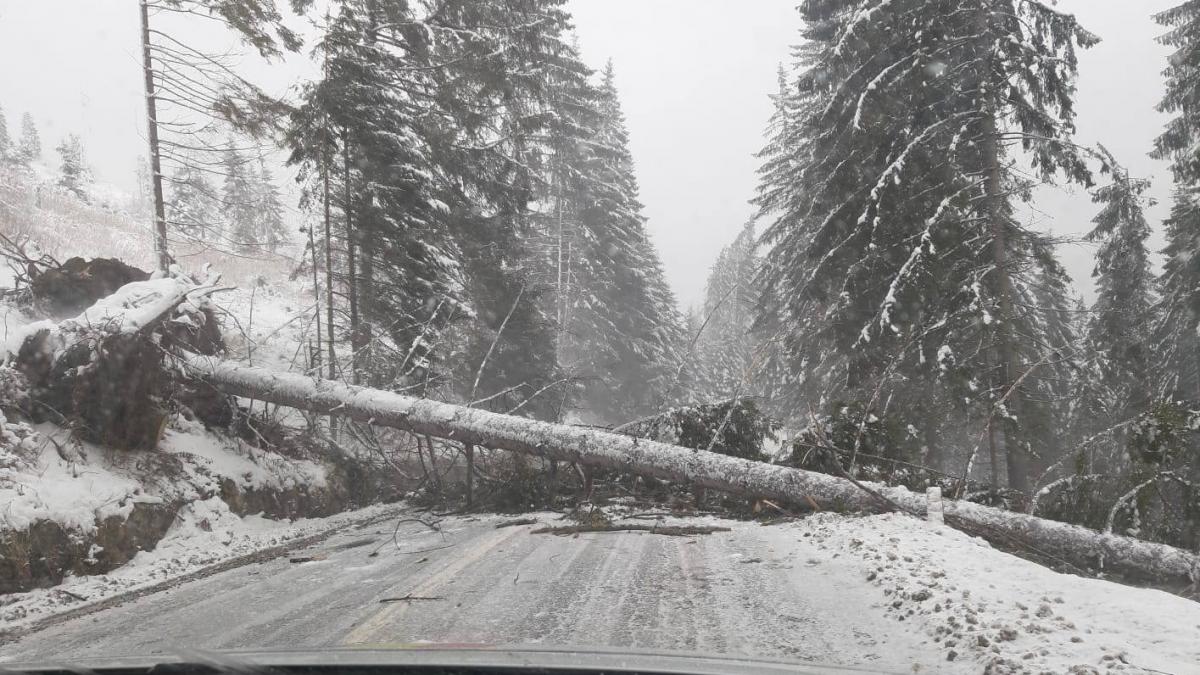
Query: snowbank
{"type": "Point", "coordinates": [205, 532]}
{"type": "Point", "coordinates": [207, 459]}
{"type": "Point", "coordinates": [986, 608]}
{"type": "Point", "coordinates": [77, 484]}
{"type": "Point", "coordinates": [68, 483]}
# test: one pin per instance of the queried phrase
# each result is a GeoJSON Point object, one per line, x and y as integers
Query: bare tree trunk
{"type": "Point", "coordinates": [312, 245]}
{"type": "Point", "coordinates": [160, 216]}
{"type": "Point", "coordinates": [328, 264]}
{"type": "Point", "coordinates": [560, 292]}
{"type": "Point", "coordinates": [1016, 457]}
{"type": "Point", "coordinates": [366, 247]}
{"type": "Point", "coordinates": [992, 455]}
{"type": "Point", "coordinates": [356, 345]}
{"type": "Point", "coordinates": [593, 448]}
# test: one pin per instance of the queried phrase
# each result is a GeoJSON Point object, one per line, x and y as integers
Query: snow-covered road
{"type": "Point", "coordinates": [726, 592]}
{"type": "Point", "coordinates": [887, 593]}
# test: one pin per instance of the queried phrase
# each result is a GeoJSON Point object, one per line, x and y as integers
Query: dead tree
{"type": "Point", "coordinates": [595, 448]}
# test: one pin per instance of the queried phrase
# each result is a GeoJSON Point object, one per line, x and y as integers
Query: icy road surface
{"type": "Point", "coordinates": [889, 593]}
{"type": "Point", "coordinates": [728, 592]}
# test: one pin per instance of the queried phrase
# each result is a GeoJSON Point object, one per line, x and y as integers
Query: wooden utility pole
{"type": "Point", "coordinates": [160, 216]}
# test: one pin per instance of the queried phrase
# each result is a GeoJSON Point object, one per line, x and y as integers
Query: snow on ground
{"type": "Point", "coordinates": [14, 326]}
{"type": "Point", "coordinates": [79, 484]}
{"type": "Point", "coordinates": [885, 590]}
{"type": "Point", "coordinates": [209, 458]}
{"type": "Point", "coordinates": [205, 532]}
{"type": "Point", "coordinates": [267, 324]}
{"type": "Point", "coordinates": [983, 606]}
{"type": "Point", "coordinates": [71, 484]}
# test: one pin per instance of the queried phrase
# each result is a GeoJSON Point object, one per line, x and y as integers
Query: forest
{"type": "Point", "coordinates": [471, 233]}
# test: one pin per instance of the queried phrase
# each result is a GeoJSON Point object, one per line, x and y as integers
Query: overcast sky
{"type": "Point", "coordinates": [694, 77]}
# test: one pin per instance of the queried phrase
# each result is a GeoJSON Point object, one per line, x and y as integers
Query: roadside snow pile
{"type": "Point", "coordinates": [63, 482]}
{"type": "Point", "coordinates": [78, 484]}
{"type": "Point", "coordinates": [14, 328]}
{"type": "Point", "coordinates": [207, 459]}
{"type": "Point", "coordinates": [991, 609]}
{"type": "Point", "coordinates": [204, 533]}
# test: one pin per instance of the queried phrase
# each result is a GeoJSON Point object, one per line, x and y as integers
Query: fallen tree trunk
{"type": "Point", "coordinates": [1078, 546]}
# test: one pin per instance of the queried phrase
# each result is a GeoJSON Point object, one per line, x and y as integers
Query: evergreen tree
{"type": "Point", "coordinates": [1180, 142]}
{"type": "Point", "coordinates": [270, 230]}
{"type": "Point", "coordinates": [430, 118]}
{"type": "Point", "coordinates": [1177, 366]}
{"type": "Point", "coordinates": [6, 149]}
{"type": "Point", "coordinates": [619, 326]}
{"type": "Point", "coordinates": [74, 174]}
{"type": "Point", "coordinates": [894, 238]}
{"type": "Point", "coordinates": [194, 207]}
{"type": "Point", "coordinates": [29, 146]}
{"type": "Point", "coordinates": [497, 155]}
{"type": "Point", "coordinates": [1176, 346]}
{"type": "Point", "coordinates": [728, 360]}
{"type": "Point", "coordinates": [1124, 303]}
{"type": "Point", "coordinates": [239, 200]}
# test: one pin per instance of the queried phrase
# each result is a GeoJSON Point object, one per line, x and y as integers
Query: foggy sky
{"type": "Point", "coordinates": [694, 76]}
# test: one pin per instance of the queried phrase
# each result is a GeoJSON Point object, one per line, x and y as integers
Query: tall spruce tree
{"type": "Point", "coordinates": [892, 190]}
{"type": "Point", "coordinates": [270, 230]}
{"type": "Point", "coordinates": [511, 345]}
{"type": "Point", "coordinates": [194, 207]}
{"type": "Point", "coordinates": [239, 199]}
{"type": "Point", "coordinates": [619, 327]}
{"type": "Point", "coordinates": [728, 359]}
{"type": "Point", "coordinates": [1124, 306]}
{"type": "Point", "coordinates": [74, 174]}
{"type": "Point", "coordinates": [1176, 348]}
{"type": "Point", "coordinates": [428, 120]}
{"type": "Point", "coordinates": [29, 145]}
{"type": "Point", "coordinates": [6, 147]}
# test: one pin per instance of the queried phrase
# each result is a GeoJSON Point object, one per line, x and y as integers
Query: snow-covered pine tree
{"type": "Point", "coordinates": [728, 360]}
{"type": "Point", "coordinates": [1180, 141]}
{"type": "Point", "coordinates": [29, 145]}
{"type": "Point", "coordinates": [432, 113]}
{"type": "Point", "coordinates": [1124, 305]}
{"type": "Point", "coordinates": [894, 236]}
{"type": "Point", "coordinates": [1162, 446]}
{"type": "Point", "coordinates": [6, 148]}
{"type": "Point", "coordinates": [1175, 346]}
{"type": "Point", "coordinates": [508, 360]}
{"type": "Point", "coordinates": [74, 174]}
{"type": "Point", "coordinates": [270, 231]}
{"type": "Point", "coordinates": [618, 324]}
{"type": "Point", "coordinates": [194, 207]}
{"type": "Point", "coordinates": [239, 199]}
